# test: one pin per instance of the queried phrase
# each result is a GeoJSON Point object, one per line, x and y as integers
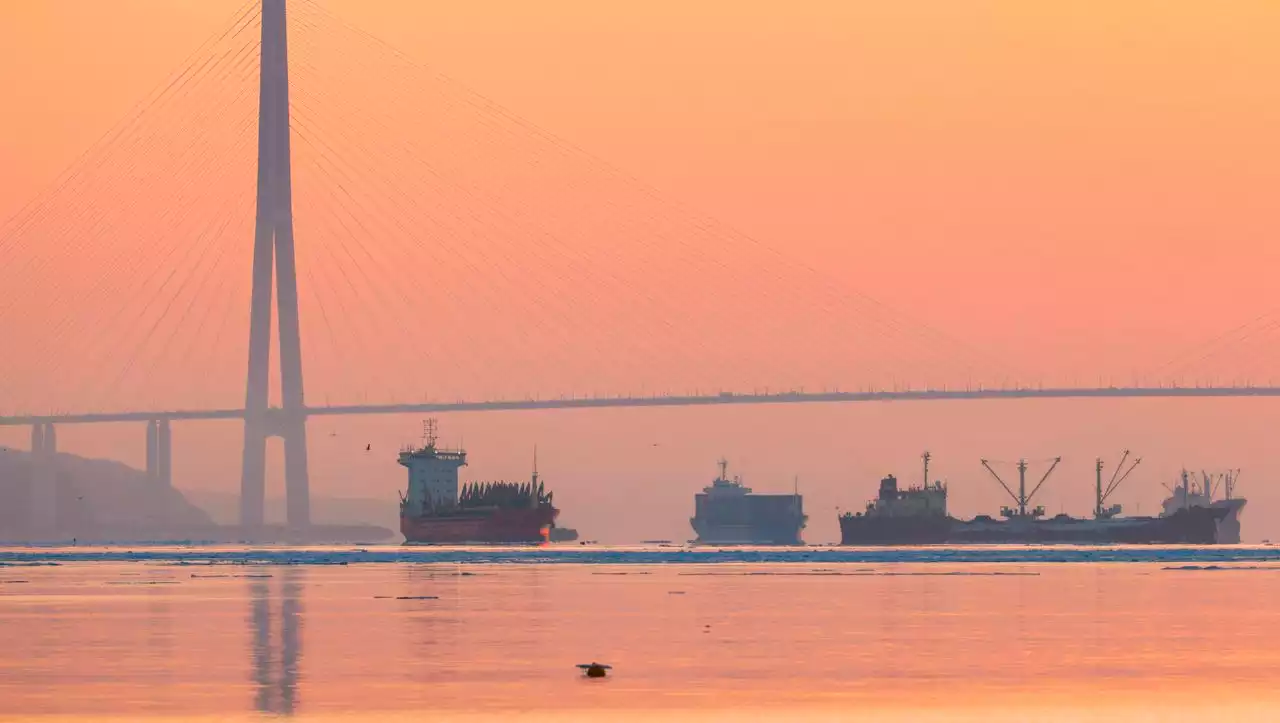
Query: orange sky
{"type": "Point", "coordinates": [1081, 188]}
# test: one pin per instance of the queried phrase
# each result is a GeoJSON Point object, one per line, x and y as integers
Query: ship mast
{"type": "Point", "coordinates": [533, 482]}
{"type": "Point", "coordinates": [1112, 484]}
{"type": "Point", "coordinates": [925, 457]}
{"type": "Point", "coordinates": [1021, 498]}
{"type": "Point", "coordinates": [1022, 487]}
{"type": "Point", "coordinates": [1097, 505]}
{"type": "Point", "coordinates": [724, 466]}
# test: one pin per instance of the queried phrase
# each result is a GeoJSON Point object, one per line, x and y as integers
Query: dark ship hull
{"type": "Point", "coordinates": [481, 526]}
{"type": "Point", "coordinates": [562, 534]}
{"type": "Point", "coordinates": [1192, 526]}
{"type": "Point", "coordinates": [780, 533]}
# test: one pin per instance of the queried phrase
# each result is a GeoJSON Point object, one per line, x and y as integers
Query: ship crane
{"type": "Point", "coordinates": [1021, 498]}
{"type": "Point", "coordinates": [1099, 511]}
{"type": "Point", "coordinates": [1225, 481]}
{"type": "Point", "coordinates": [1210, 484]}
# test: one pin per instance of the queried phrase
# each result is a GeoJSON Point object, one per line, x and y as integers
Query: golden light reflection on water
{"type": "Point", "coordinates": [734, 642]}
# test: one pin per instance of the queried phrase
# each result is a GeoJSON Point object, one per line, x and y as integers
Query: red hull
{"type": "Point", "coordinates": [509, 526]}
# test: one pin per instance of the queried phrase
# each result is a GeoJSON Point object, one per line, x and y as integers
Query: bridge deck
{"type": "Point", "coordinates": [674, 401]}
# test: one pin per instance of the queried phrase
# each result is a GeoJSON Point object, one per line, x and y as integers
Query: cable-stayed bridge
{"type": "Point", "coordinates": [409, 235]}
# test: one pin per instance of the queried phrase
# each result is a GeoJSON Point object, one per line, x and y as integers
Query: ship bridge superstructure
{"type": "Point", "coordinates": [923, 500]}
{"type": "Point", "coordinates": [723, 486]}
{"type": "Point", "coordinates": [433, 473]}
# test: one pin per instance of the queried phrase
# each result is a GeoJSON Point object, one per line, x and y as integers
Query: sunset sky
{"type": "Point", "coordinates": [1081, 190]}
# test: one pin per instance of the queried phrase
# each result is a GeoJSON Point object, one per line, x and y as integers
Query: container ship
{"type": "Point", "coordinates": [728, 513]}
{"type": "Point", "coordinates": [435, 510]}
{"type": "Point", "coordinates": [918, 516]}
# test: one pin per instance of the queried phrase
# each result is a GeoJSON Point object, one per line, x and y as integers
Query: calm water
{"type": "Point", "coordinates": [389, 634]}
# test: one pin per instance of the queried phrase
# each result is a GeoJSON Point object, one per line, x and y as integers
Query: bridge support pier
{"type": "Point", "coordinates": [273, 259]}
{"type": "Point", "coordinates": [153, 440]}
{"type": "Point", "coordinates": [164, 454]}
{"type": "Point", "coordinates": [44, 478]}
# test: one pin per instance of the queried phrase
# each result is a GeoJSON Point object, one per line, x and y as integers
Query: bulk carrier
{"type": "Point", "coordinates": [727, 513]}
{"type": "Point", "coordinates": [918, 516]}
{"type": "Point", "coordinates": [434, 510]}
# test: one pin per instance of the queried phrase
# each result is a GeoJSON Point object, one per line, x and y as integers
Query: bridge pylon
{"type": "Point", "coordinates": [273, 252]}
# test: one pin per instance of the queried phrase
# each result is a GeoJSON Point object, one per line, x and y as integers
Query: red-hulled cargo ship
{"type": "Point", "coordinates": [435, 511]}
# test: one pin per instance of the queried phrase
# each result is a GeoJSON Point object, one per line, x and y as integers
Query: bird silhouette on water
{"type": "Point", "coordinates": [594, 670]}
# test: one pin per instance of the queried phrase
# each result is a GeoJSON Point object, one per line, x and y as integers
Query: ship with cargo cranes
{"type": "Point", "coordinates": [918, 515]}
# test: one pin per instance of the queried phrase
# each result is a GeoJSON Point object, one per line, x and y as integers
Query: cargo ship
{"type": "Point", "coordinates": [435, 510]}
{"type": "Point", "coordinates": [918, 516]}
{"type": "Point", "coordinates": [727, 513]}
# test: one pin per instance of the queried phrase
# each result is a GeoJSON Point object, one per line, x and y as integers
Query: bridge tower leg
{"type": "Point", "coordinates": [44, 494]}
{"type": "Point", "coordinates": [273, 247]}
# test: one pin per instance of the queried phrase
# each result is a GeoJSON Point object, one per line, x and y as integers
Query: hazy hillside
{"type": "Point", "coordinates": [224, 508]}
{"type": "Point", "coordinates": [95, 497]}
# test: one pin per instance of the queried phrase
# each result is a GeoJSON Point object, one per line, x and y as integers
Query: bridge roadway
{"type": "Point", "coordinates": [792, 397]}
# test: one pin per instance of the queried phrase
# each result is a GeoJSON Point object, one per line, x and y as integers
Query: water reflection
{"type": "Point", "coordinates": [159, 627]}
{"type": "Point", "coordinates": [275, 668]}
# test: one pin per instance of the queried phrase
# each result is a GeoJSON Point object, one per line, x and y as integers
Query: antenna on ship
{"type": "Point", "coordinates": [535, 465]}
{"type": "Point", "coordinates": [724, 465]}
{"type": "Point", "coordinates": [429, 432]}
{"type": "Point", "coordinates": [925, 457]}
